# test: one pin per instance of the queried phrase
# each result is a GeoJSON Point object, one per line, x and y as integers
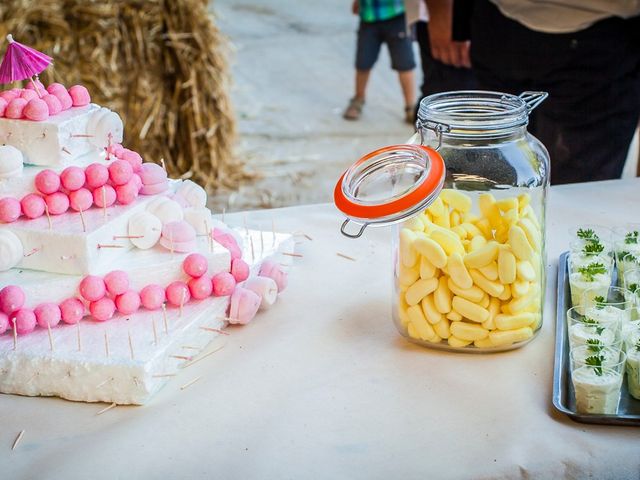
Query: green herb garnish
{"type": "Point", "coordinates": [587, 234]}
{"type": "Point", "coordinates": [633, 288]}
{"type": "Point", "coordinates": [631, 237]}
{"type": "Point", "coordinates": [595, 361]}
{"type": "Point", "coordinates": [591, 270]}
{"type": "Point", "coordinates": [594, 345]}
{"type": "Point", "coordinates": [638, 345]}
{"type": "Point", "coordinates": [593, 323]}
{"type": "Point", "coordinates": [600, 302]}
{"type": "Point", "coordinates": [592, 248]}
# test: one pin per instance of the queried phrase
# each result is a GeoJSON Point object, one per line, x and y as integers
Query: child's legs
{"type": "Point", "coordinates": [368, 49]}
{"type": "Point", "coordinates": [401, 53]}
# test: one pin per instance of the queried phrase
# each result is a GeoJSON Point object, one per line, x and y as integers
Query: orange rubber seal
{"type": "Point", "coordinates": [422, 191]}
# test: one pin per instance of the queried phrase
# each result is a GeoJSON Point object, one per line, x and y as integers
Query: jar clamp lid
{"type": "Point", "coordinates": [389, 185]}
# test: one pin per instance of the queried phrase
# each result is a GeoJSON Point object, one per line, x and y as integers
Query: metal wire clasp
{"type": "Point", "coordinates": [438, 128]}
{"type": "Point", "coordinates": [533, 99]}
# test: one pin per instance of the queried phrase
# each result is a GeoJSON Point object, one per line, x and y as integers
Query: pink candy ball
{"type": "Point", "coordinates": [8, 95]}
{"type": "Point", "coordinates": [177, 293]}
{"type": "Point", "coordinates": [243, 306]}
{"type": "Point", "coordinates": [36, 110]}
{"type": "Point", "coordinates": [64, 98]}
{"type": "Point", "coordinates": [72, 310]}
{"type": "Point", "coordinates": [96, 175]}
{"type": "Point", "coordinates": [133, 158]}
{"type": "Point", "coordinates": [152, 173]}
{"type": "Point", "coordinates": [48, 314]}
{"type": "Point", "coordinates": [81, 200]}
{"type": "Point", "coordinates": [10, 210]}
{"type": "Point", "coordinates": [117, 282]}
{"type": "Point", "coordinates": [15, 108]}
{"type": "Point", "coordinates": [152, 296]}
{"type": "Point", "coordinates": [120, 172]}
{"type": "Point", "coordinates": [135, 178]}
{"type": "Point", "coordinates": [239, 270]}
{"type": "Point", "coordinates": [11, 299]}
{"type": "Point", "coordinates": [57, 203]}
{"type": "Point", "coordinates": [116, 150]}
{"type": "Point", "coordinates": [56, 87]}
{"type": "Point", "coordinates": [29, 94]}
{"type": "Point", "coordinates": [127, 193]}
{"type": "Point", "coordinates": [32, 205]}
{"type": "Point", "coordinates": [228, 241]}
{"type": "Point", "coordinates": [128, 302]}
{"type": "Point", "coordinates": [200, 287]}
{"type": "Point", "coordinates": [109, 196]}
{"type": "Point", "coordinates": [4, 323]}
{"type": "Point", "coordinates": [195, 265]}
{"type": "Point", "coordinates": [72, 178]}
{"type": "Point", "coordinates": [47, 182]}
{"type": "Point", "coordinates": [3, 106]}
{"type": "Point", "coordinates": [154, 189]}
{"type": "Point", "coordinates": [79, 95]}
{"type": "Point", "coordinates": [92, 288]}
{"type": "Point", "coordinates": [275, 272]}
{"type": "Point", "coordinates": [223, 284]}
{"type": "Point", "coordinates": [24, 321]}
{"type": "Point", "coordinates": [53, 104]}
{"type": "Point", "coordinates": [103, 309]}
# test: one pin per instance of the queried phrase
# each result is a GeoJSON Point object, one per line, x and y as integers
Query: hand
{"type": "Point", "coordinates": [443, 48]}
{"type": "Point", "coordinates": [355, 7]}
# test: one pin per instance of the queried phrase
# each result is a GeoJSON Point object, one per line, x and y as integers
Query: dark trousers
{"type": "Point", "coordinates": [436, 76]}
{"type": "Point", "coordinates": [593, 80]}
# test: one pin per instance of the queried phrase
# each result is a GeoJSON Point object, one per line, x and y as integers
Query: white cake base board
{"type": "Point", "coordinates": [132, 371]}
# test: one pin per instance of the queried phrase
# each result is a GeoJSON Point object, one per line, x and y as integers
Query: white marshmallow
{"type": "Point", "coordinates": [11, 161]}
{"type": "Point", "coordinates": [109, 128]}
{"type": "Point", "coordinates": [11, 250]}
{"type": "Point", "coordinates": [200, 219]}
{"type": "Point", "coordinates": [266, 288]}
{"type": "Point", "coordinates": [166, 210]}
{"type": "Point", "coordinates": [148, 227]}
{"type": "Point", "coordinates": [193, 193]}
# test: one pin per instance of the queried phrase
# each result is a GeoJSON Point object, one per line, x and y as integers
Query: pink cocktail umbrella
{"type": "Point", "coordinates": [21, 62]}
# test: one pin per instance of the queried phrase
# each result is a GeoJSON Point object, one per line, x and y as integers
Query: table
{"type": "Point", "coordinates": [322, 386]}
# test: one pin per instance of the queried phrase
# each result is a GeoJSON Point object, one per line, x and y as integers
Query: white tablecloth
{"type": "Point", "coordinates": [322, 386]}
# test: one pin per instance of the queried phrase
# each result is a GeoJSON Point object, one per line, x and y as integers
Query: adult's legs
{"type": "Point", "coordinates": [593, 80]}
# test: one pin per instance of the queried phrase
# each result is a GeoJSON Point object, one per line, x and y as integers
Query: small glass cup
{"type": "Point", "coordinates": [594, 276]}
{"type": "Point", "coordinates": [589, 233]}
{"type": "Point", "coordinates": [583, 330]}
{"type": "Point", "coordinates": [608, 356]}
{"type": "Point", "coordinates": [626, 259]}
{"type": "Point", "coordinates": [616, 305]}
{"type": "Point", "coordinates": [597, 387]}
{"type": "Point", "coordinates": [632, 348]}
{"type": "Point", "coordinates": [632, 283]}
{"type": "Point", "coordinates": [629, 233]}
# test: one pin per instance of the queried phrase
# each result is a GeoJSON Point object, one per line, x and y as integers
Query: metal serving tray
{"type": "Point", "coordinates": [563, 394]}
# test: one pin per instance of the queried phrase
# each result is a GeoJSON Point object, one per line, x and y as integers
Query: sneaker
{"type": "Point", "coordinates": [354, 109]}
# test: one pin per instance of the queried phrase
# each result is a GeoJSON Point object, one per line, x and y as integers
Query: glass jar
{"type": "Point", "coordinates": [469, 259]}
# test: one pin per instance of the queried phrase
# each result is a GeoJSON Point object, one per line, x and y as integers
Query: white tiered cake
{"type": "Point", "coordinates": [107, 267]}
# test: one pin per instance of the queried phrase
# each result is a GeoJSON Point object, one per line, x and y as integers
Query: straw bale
{"type": "Point", "coordinates": [161, 64]}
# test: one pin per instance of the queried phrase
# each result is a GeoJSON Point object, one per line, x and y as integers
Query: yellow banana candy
{"type": "Point", "coordinates": [432, 250]}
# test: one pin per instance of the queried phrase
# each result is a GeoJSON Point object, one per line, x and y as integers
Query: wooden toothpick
{"type": "Point", "coordinates": [253, 253]}
{"type": "Point", "coordinates": [133, 357]}
{"type": "Point", "coordinates": [106, 343]}
{"type": "Point", "coordinates": [117, 237]}
{"type": "Point", "coordinates": [289, 254]}
{"type": "Point", "coordinates": [104, 383]}
{"type": "Point", "coordinates": [223, 212]}
{"type": "Point", "coordinates": [84, 225]}
{"type": "Point", "coordinates": [162, 375]}
{"type": "Point", "coordinates": [79, 337]}
{"type": "Point", "coordinates": [155, 331]}
{"type": "Point", "coordinates": [216, 330]}
{"type": "Point", "coordinates": [106, 409]}
{"type": "Point", "coordinates": [188, 384]}
{"type": "Point", "coordinates": [209, 239]}
{"type": "Point", "coordinates": [46, 211]}
{"type": "Point", "coordinates": [345, 256]}
{"type": "Point", "coordinates": [81, 135]}
{"type": "Point", "coordinates": [66, 150]}
{"type": "Point", "coordinates": [184, 294]}
{"type": "Point", "coordinates": [50, 337]}
{"type": "Point", "coordinates": [17, 440]}
{"type": "Point", "coordinates": [164, 165]}
{"type": "Point", "coordinates": [109, 245]}
{"type": "Point", "coordinates": [34, 250]}
{"type": "Point", "coordinates": [164, 318]}
{"type": "Point", "coordinates": [202, 357]}
{"type": "Point", "coordinates": [15, 335]}
{"type": "Point", "coordinates": [273, 231]}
